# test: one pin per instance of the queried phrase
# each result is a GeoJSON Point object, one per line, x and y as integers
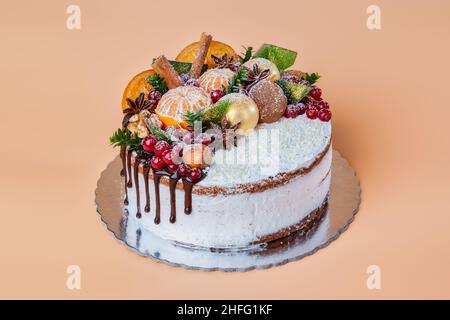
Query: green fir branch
{"type": "Point", "coordinates": [158, 83]}
{"type": "Point", "coordinates": [234, 84]}
{"type": "Point", "coordinates": [125, 138]}
{"type": "Point", "coordinates": [311, 78]}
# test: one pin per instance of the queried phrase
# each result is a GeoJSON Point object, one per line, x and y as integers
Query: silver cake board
{"type": "Point", "coordinates": [343, 204]}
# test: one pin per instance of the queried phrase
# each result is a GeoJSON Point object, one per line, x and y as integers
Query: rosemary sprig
{"type": "Point", "coordinates": [125, 138]}
{"type": "Point", "coordinates": [158, 83]}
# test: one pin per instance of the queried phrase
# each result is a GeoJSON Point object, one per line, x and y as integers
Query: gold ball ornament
{"type": "Point", "coordinates": [242, 110]}
{"type": "Point", "coordinates": [264, 64]}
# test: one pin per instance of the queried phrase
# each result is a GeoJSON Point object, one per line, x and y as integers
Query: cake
{"type": "Point", "coordinates": [221, 151]}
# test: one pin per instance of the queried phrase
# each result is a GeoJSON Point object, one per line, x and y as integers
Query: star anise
{"type": "Point", "coordinates": [135, 107]}
{"type": "Point", "coordinates": [255, 75]}
{"type": "Point", "coordinates": [225, 133]}
{"type": "Point", "coordinates": [224, 61]}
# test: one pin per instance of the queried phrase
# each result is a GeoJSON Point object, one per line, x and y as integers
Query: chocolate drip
{"type": "Point", "coordinates": [129, 183]}
{"type": "Point", "coordinates": [123, 173]}
{"type": "Point", "coordinates": [144, 159]}
{"type": "Point", "coordinates": [136, 185]}
{"type": "Point", "coordinates": [147, 191]}
{"type": "Point", "coordinates": [187, 186]}
{"type": "Point", "coordinates": [173, 208]}
{"type": "Point", "coordinates": [156, 180]}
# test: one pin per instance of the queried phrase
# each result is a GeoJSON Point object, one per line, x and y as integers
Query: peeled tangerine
{"type": "Point", "coordinates": [215, 79]}
{"type": "Point", "coordinates": [264, 64]}
{"type": "Point", "coordinates": [176, 102]}
{"type": "Point", "coordinates": [197, 155]}
{"type": "Point", "coordinates": [242, 110]}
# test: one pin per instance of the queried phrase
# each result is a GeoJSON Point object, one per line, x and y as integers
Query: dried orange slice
{"type": "Point", "coordinates": [216, 48]}
{"type": "Point", "coordinates": [136, 86]}
{"type": "Point", "coordinates": [176, 102]}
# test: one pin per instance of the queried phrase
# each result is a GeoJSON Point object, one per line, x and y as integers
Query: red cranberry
{"type": "Point", "coordinates": [172, 168]}
{"type": "Point", "coordinates": [324, 105]}
{"type": "Point", "coordinates": [167, 156]}
{"type": "Point", "coordinates": [312, 113]}
{"type": "Point", "coordinates": [292, 111]}
{"type": "Point", "coordinates": [316, 93]}
{"type": "Point", "coordinates": [183, 170]}
{"type": "Point", "coordinates": [216, 95]}
{"type": "Point", "coordinates": [195, 174]}
{"type": "Point", "coordinates": [157, 163]}
{"type": "Point", "coordinates": [325, 115]}
{"type": "Point", "coordinates": [160, 147]}
{"type": "Point", "coordinates": [149, 142]}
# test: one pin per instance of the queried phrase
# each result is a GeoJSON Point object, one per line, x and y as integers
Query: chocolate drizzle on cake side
{"type": "Point", "coordinates": [130, 171]}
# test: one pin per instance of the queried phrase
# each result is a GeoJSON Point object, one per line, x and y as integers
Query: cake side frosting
{"type": "Point", "coordinates": [237, 220]}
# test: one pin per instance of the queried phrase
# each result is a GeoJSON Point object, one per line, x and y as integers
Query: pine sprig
{"type": "Point", "coordinates": [247, 56]}
{"type": "Point", "coordinates": [234, 84]}
{"type": "Point", "coordinates": [311, 78]}
{"type": "Point", "coordinates": [159, 133]}
{"type": "Point", "coordinates": [158, 83]}
{"type": "Point", "coordinates": [125, 138]}
{"type": "Point", "coordinates": [211, 114]}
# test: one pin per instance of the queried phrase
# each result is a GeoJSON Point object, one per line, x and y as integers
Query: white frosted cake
{"type": "Point", "coordinates": [229, 157]}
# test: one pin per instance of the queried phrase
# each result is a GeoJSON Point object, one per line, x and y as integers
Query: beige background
{"type": "Point", "coordinates": [61, 93]}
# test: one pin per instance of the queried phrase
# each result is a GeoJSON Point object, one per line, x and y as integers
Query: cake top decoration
{"type": "Point", "coordinates": [208, 98]}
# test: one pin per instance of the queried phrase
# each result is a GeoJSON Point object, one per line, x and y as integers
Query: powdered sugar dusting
{"type": "Point", "coordinates": [283, 146]}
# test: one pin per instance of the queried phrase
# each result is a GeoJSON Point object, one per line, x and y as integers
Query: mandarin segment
{"type": "Point", "coordinates": [136, 86]}
{"type": "Point", "coordinates": [215, 79]}
{"type": "Point", "coordinates": [176, 102]}
{"type": "Point", "coordinates": [216, 48]}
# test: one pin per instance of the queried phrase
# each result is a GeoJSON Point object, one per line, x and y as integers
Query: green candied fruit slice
{"type": "Point", "coordinates": [184, 67]}
{"type": "Point", "coordinates": [294, 92]}
{"type": "Point", "coordinates": [281, 57]}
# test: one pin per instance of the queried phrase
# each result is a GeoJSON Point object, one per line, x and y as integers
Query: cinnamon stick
{"type": "Point", "coordinates": [163, 67]}
{"type": "Point", "coordinates": [200, 55]}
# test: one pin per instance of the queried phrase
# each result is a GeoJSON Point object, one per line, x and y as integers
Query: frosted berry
{"type": "Point", "coordinates": [292, 111]}
{"type": "Point", "coordinates": [183, 170]}
{"type": "Point", "coordinates": [325, 115]}
{"type": "Point", "coordinates": [167, 157]}
{"type": "Point", "coordinates": [193, 82]}
{"type": "Point", "coordinates": [160, 147]}
{"type": "Point", "coordinates": [216, 94]}
{"type": "Point", "coordinates": [172, 168]}
{"type": "Point", "coordinates": [154, 96]}
{"type": "Point", "coordinates": [149, 142]}
{"type": "Point", "coordinates": [316, 93]}
{"type": "Point", "coordinates": [312, 113]}
{"type": "Point", "coordinates": [188, 138]}
{"type": "Point", "coordinates": [157, 163]}
{"type": "Point", "coordinates": [301, 108]}
{"type": "Point", "coordinates": [291, 78]}
{"type": "Point", "coordinates": [195, 174]}
{"type": "Point", "coordinates": [203, 138]}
